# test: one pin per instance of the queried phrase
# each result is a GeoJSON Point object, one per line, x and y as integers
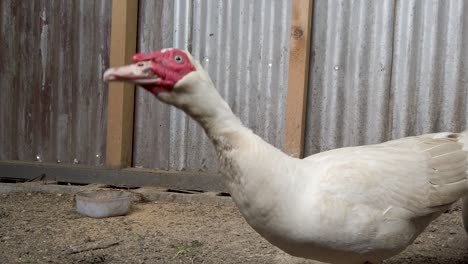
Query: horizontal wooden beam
{"type": "Point", "coordinates": [120, 109]}
{"type": "Point", "coordinates": [301, 31]}
{"type": "Point", "coordinates": [131, 176]}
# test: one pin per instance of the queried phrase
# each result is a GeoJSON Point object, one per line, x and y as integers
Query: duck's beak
{"type": "Point", "coordinates": [139, 73]}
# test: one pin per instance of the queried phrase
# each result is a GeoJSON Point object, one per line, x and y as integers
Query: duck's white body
{"type": "Point", "coordinates": [350, 205]}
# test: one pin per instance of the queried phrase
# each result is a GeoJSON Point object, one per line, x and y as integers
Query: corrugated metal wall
{"type": "Point", "coordinates": [245, 47]}
{"type": "Point", "coordinates": [379, 70]}
{"type": "Point", "coordinates": [386, 69]}
{"type": "Point", "coordinates": [152, 129]}
{"type": "Point", "coordinates": [52, 98]}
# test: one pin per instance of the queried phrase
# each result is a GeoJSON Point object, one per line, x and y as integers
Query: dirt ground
{"type": "Point", "coordinates": [44, 228]}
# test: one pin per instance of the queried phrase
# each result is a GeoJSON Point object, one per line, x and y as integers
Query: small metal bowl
{"type": "Point", "coordinates": [103, 203]}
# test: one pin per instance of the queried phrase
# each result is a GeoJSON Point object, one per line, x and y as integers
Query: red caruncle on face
{"type": "Point", "coordinates": [170, 66]}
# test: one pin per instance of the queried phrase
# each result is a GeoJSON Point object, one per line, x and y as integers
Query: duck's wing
{"type": "Point", "coordinates": [411, 177]}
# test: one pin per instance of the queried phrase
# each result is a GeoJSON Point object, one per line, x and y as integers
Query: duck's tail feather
{"type": "Point", "coordinates": [463, 139]}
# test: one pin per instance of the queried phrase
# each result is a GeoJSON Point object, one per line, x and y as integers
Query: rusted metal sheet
{"type": "Point", "coordinates": [52, 97]}
{"type": "Point", "coordinates": [386, 69]}
{"type": "Point", "coordinates": [245, 47]}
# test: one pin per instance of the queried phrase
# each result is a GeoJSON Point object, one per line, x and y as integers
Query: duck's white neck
{"type": "Point", "coordinates": [257, 175]}
{"type": "Point", "coordinates": [224, 129]}
{"type": "Point", "coordinates": [220, 121]}
{"type": "Point", "coordinates": [253, 170]}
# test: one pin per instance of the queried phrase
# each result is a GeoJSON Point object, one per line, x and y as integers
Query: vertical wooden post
{"type": "Point", "coordinates": [120, 108]}
{"type": "Point", "coordinates": [301, 31]}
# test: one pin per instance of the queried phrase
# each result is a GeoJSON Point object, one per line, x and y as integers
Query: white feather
{"type": "Point", "coordinates": [348, 205]}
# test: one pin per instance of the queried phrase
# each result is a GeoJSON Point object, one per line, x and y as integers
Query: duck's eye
{"type": "Point", "coordinates": [178, 59]}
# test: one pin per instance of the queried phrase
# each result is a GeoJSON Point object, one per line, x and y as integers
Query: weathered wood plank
{"type": "Point", "coordinates": [301, 31]}
{"type": "Point", "coordinates": [121, 95]}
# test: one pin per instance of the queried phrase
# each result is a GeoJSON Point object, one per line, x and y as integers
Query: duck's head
{"type": "Point", "coordinates": [173, 75]}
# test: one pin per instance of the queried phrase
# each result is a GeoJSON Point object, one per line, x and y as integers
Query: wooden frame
{"type": "Point", "coordinates": [301, 31]}
{"type": "Point", "coordinates": [130, 176]}
{"type": "Point", "coordinates": [120, 110]}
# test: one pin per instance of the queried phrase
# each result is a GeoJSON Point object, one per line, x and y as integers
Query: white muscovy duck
{"type": "Point", "coordinates": [350, 205]}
